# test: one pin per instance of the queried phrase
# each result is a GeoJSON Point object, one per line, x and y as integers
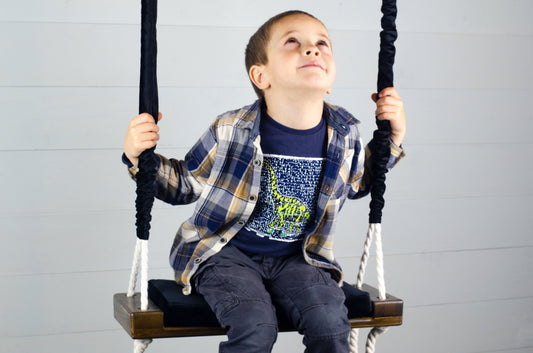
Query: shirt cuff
{"type": "Point", "coordinates": [126, 161]}
{"type": "Point", "coordinates": [396, 150]}
{"type": "Point", "coordinates": [131, 168]}
{"type": "Point", "coordinates": [396, 154]}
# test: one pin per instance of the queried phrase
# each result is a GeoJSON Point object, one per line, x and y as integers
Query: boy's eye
{"type": "Point", "coordinates": [291, 40]}
{"type": "Point", "coordinates": [322, 42]}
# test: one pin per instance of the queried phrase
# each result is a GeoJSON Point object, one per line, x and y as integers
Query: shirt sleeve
{"type": "Point", "coordinates": [396, 154]}
{"type": "Point", "coordinates": [182, 181]}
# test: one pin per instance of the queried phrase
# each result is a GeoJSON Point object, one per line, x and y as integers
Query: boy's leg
{"type": "Point", "coordinates": [315, 304]}
{"type": "Point", "coordinates": [232, 286]}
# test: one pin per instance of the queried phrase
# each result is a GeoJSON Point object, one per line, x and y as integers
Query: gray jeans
{"type": "Point", "coordinates": [244, 291]}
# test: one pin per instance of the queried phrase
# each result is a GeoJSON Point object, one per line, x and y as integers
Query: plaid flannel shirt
{"type": "Point", "coordinates": [222, 171]}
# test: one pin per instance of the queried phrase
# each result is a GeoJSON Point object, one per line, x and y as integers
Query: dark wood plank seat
{"type": "Point", "coordinates": [150, 323]}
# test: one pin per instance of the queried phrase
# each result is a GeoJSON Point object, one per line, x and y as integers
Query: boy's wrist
{"type": "Point", "coordinates": [397, 138]}
{"type": "Point", "coordinates": [131, 162]}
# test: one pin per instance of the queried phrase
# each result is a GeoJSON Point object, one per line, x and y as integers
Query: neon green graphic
{"type": "Point", "coordinates": [290, 213]}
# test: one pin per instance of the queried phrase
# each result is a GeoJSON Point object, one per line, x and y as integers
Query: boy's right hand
{"type": "Point", "coordinates": [142, 134]}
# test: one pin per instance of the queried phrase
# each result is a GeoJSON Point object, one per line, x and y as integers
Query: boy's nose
{"type": "Point", "coordinates": [315, 52]}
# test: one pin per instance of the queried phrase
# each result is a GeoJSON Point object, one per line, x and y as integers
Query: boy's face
{"type": "Point", "coordinates": [300, 58]}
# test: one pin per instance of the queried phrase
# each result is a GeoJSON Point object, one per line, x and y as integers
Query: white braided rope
{"type": "Point", "coordinates": [371, 339]}
{"type": "Point", "coordinates": [374, 231]}
{"type": "Point", "coordinates": [144, 275]}
{"type": "Point", "coordinates": [364, 257]}
{"type": "Point", "coordinates": [139, 346]}
{"type": "Point", "coordinates": [380, 272]}
{"type": "Point", "coordinates": [140, 259]}
{"type": "Point", "coordinates": [134, 269]}
{"type": "Point", "coordinates": [354, 338]}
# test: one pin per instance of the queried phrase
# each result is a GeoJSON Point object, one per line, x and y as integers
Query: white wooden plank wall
{"type": "Point", "coordinates": [457, 224]}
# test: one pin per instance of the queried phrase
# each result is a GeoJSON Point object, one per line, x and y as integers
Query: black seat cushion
{"type": "Point", "coordinates": [192, 310]}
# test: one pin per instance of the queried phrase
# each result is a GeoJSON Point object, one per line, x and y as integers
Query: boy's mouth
{"type": "Point", "coordinates": [312, 64]}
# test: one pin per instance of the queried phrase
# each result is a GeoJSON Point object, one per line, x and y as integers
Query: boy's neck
{"type": "Point", "coordinates": [296, 113]}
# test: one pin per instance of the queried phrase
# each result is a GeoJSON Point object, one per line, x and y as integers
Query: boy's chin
{"type": "Point", "coordinates": [319, 92]}
{"type": "Point", "coordinates": [305, 92]}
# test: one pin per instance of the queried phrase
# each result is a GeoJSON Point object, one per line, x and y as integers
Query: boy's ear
{"type": "Point", "coordinates": [258, 77]}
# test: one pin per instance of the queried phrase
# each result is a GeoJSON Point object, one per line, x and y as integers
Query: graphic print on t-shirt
{"type": "Point", "coordinates": [287, 200]}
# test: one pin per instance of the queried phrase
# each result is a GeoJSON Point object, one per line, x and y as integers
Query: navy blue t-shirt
{"type": "Point", "coordinates": [290, 182]}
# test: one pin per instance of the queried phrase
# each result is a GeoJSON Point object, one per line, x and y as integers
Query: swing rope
{"type": "Point", "coordinates": [148, 102]}
{"type": "Point", "coordinates": [139, 346]}
{"type": "Point", "coordinates": [380, 154]}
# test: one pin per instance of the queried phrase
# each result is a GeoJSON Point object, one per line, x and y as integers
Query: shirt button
{"type": "Point", "coordinates": [223, 240]}
{"type": "Point", "coordinates": [257, 162]}
{"type": "Point", "coordinates": [198, 260]}
{"type": "Point", "coordinates": [186, 290]}
{"type": "Point", "coordinates": [241, 223]}
{"type": "Point", "coordinates": [252, 198]}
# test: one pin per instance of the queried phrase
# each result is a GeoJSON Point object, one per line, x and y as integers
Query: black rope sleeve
{"type": "Point", "coordinates": [148, 103]}
{"type": "Point", "coordinates": [380, 142]}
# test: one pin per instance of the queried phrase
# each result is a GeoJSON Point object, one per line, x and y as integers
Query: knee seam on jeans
{"type": "Point", "coordinates": [328, 337]}
{"type": "Point", "coordinates": [238, 301]}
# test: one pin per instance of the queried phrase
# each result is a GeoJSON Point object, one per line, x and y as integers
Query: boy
{"type": "Point", "coordinates": [268, 181]}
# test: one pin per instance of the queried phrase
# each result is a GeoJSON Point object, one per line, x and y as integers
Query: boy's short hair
{"type": "Point", "coordinates": [256, 50]}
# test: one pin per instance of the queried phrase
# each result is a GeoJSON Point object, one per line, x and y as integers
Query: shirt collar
{"type": "Point", "coordinates": [337, 117]}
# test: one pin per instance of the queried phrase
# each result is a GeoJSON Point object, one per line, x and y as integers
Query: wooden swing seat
{"type": "Point", "coordinates": [151, 322]}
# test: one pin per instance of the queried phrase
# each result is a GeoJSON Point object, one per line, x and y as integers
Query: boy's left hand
{"type": "Point", "coordinates": [390, 107]}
